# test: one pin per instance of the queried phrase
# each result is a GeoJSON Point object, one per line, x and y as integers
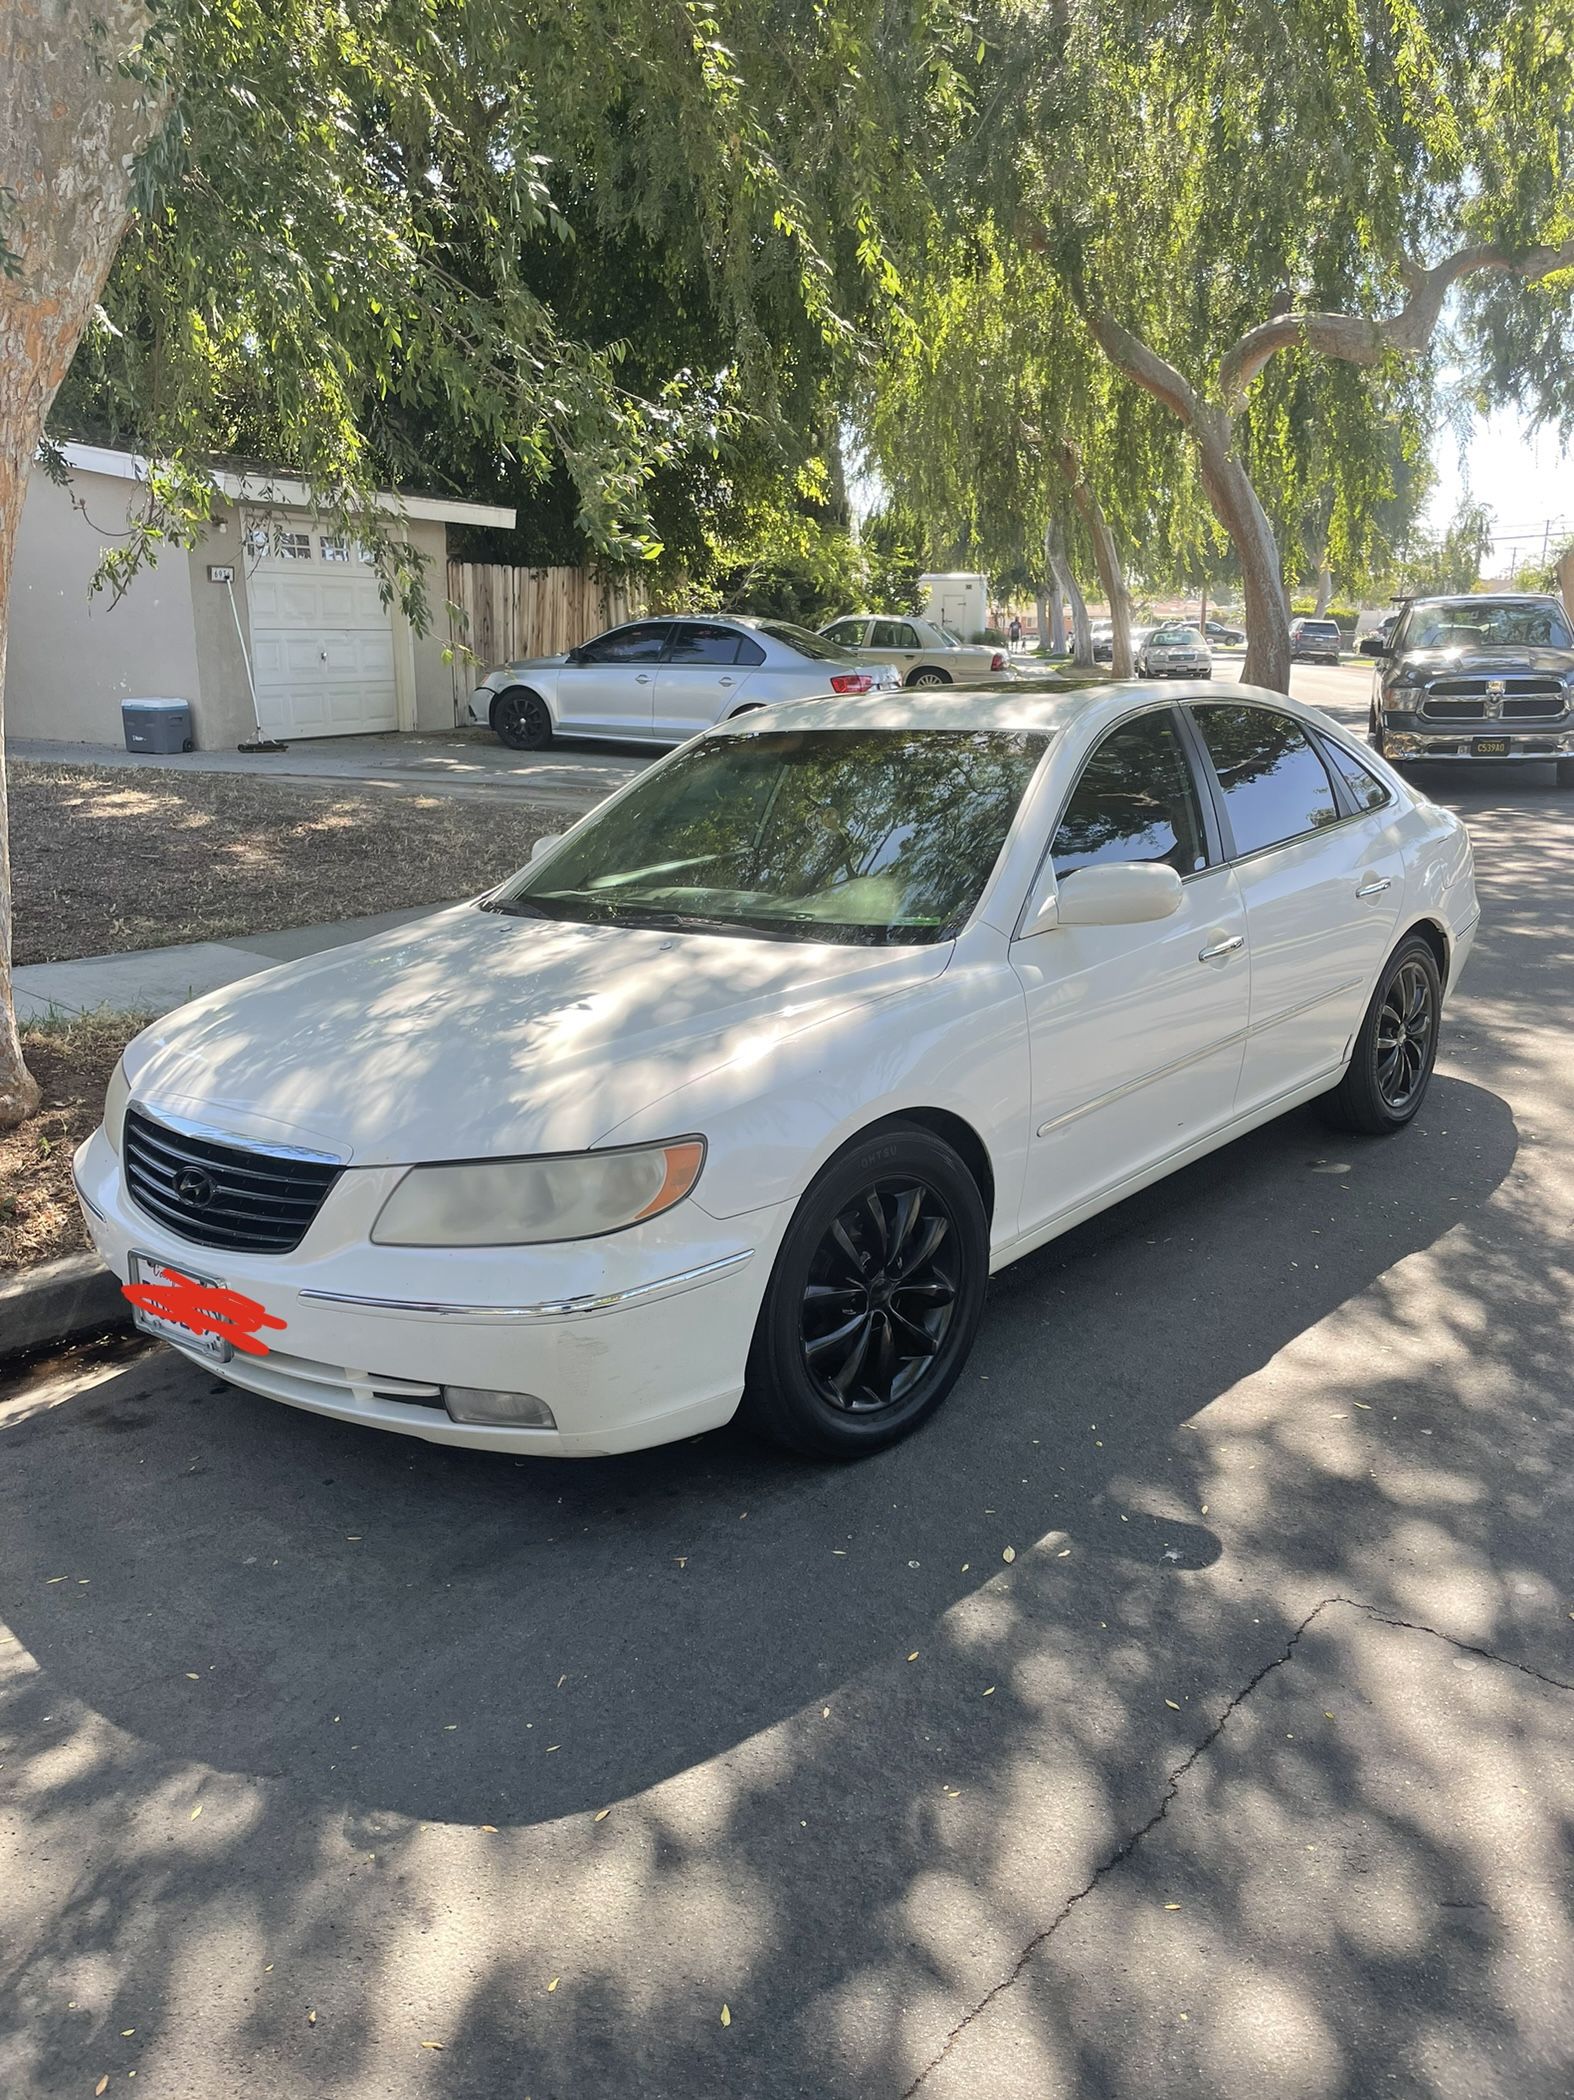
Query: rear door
{"type": "Point", "coordinates": [610, 690]}
{"type": "Point", "coordinates": [1321, 876]}
{"type": "Point", "coordinates": [702, 677]}
{"type": "Point", "coordinates": [894, 642]}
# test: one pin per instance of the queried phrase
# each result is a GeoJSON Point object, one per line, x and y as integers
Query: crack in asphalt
{"type": "Point", "coordinates": [1129, 1844]}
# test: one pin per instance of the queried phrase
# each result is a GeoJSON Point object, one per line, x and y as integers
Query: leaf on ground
{"type": "Point", "coordinates": [1173, 1702]}
{"type": "Point", "coordinates": [552, 1986]}
{"type": "Point", "coordinates": [490, 1829]}
{"type": "Point", "coordinates": [913, 1657]}
{"type": "Point", "coordinates": [1064, 1553]}
{"type": "Point", "coordinates": [195, 1812]}
{"type": "Point", "coordinates": [1172, 1906]}
{"type": "Point", "coordinates": [1009, 1554]}
{"type": "Point", "coordinates": [1365, 1405]}
{"type": "Point", "coordinates": [726, 2016]}
{"type": "Point", "coordinates": [989, 1691]}
{"type": "Point", "coordinates": [601, 1815]}
{"type": "Point", "coordinates": [431, 2045]}
{"type": "Point", "coordinates": [311, 2018]}
{"type": "Point", "coordinates": [102, 2084]}
{"type": "Point", "coordinates": [195, 1678]}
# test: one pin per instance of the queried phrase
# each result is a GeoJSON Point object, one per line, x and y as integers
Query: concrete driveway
{"type": "Point", "coordinates": [459, 762]}
{"type": "Point", "coordinates": [1248, 1774]}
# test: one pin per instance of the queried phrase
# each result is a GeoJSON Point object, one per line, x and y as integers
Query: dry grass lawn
{"type": "Point", "coordinates": [103, 861]}
{"type": "Point", "coordinates": [72, 1062]}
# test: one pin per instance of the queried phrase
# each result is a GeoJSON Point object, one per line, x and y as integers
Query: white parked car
{"type": "Point", "coordinates": [924, 653]}
{"type": "Point", "coordinates": [660, 680]}
{"type": "Point", "coordinates": [741, 1089]}
{"type": "Point", "coordinates": [1174, 652]}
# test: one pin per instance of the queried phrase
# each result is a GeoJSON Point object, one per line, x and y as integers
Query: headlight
{"type": "Point", "coordinates": [524, 1202]}
{"type": "Point", "coordinates": [116, 1096]}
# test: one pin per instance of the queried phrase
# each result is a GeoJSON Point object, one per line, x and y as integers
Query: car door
{"type": "Point", "coordinates": [1136, 1032]}
{"type": "Point", "coordinates": [852, 634]}
{"type": "Point", "coordinates": [1321, 879]}
{"type": "Point", "coordinates": [701, 677]}
{"type": "Point", "coordinates": [608, 688]}
{"type": "Point", "coordinates": [893, 642]}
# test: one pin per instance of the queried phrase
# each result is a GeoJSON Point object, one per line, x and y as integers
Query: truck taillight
{"type": "Point", "coordinates": [852, 682]}
{"type": "Point", "coordinates": [997, 662]}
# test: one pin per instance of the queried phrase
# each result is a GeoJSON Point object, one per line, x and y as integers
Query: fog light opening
{"type": "Point", "coordinates": [483, 1404]}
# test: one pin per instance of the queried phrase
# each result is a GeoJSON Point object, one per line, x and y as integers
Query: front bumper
{"type": "Point", "coordinates": [480, 706]}
{"type": "Point", "coordinates": [1529, 743]}
{"type": "Point", "coordinates": [632, 1340]}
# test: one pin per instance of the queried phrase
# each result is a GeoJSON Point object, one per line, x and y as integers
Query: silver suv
{"type": "Point", "coordinates": [659, 681]}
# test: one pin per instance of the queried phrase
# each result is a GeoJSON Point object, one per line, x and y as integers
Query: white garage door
{"type": "Point", "coordinates": [321, 637]}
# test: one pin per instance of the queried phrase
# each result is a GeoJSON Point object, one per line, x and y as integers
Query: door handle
{"type": "Point", "coordinates": [1224, 947]}
{"type": "Point", "coordinates": [728, 681]}
{"type": "Point", "coordinates": [1376, 886]}
{"type": "Point", "coordinates": [642, 678]}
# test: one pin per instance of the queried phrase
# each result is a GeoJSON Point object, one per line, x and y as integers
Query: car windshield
{"type": "Point", "coordinates": [1476, 623]}
{"type": "Point", "coordinates": [1176, 638]}
{"type": "Point", "coordinates": [819, 646]}
{"type": "Point", "coordinates": [878, 836]}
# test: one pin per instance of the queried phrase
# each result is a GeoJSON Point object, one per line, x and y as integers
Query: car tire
{"type": "Point", "coordinates": [522, 719]}
{"type": "Point", "coordinates": [1566, 772]}
{"type": "Point", "coordinates": [1396, 1048]}
{"type": "Point", "coordinates": [929, 676]}
{"type": "Point", "coordinates": [833, 1323]}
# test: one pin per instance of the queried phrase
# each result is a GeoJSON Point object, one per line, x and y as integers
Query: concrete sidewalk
{"type": "Point", "coordinates": [457, 762]}
{"type": "Point", "coordinates": [156, 980]}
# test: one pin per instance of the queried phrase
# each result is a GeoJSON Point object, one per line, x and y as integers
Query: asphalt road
{"type": "Point", "coordinates": [1248, 1774]}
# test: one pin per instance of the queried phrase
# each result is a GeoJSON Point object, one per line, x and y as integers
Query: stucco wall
{"type": "Point", "coordinates": [71, 660]}
{"type": "Point", "coordinates": [434, 679]}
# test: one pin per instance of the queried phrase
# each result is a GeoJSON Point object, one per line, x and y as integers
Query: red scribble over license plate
{"type": "Point", "coordinates": [195, 1311]}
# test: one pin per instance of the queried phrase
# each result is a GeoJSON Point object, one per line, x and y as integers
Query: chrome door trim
{"type": "Point", "coordinates": [1132, 1086]}
{"type": "Point", "coordinates": [546, 1308]}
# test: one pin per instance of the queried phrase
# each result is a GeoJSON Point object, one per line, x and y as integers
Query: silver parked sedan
{"type": "Point", "coordinates": [659, 681]}
{"type": "Point", "coordinates": [1175, 652]}
{"type": "Point", "coordinates": [924, 653]}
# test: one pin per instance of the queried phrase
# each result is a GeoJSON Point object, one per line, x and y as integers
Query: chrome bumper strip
{"type": "Point", "coordinates": [548, 1308]}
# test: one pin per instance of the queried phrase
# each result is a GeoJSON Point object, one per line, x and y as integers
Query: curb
{"type": "Point", "coordinates": [59, 1301]}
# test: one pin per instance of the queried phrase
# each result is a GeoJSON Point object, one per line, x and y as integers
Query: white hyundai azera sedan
{"type": "Point", "coordinates": [737, 1094]}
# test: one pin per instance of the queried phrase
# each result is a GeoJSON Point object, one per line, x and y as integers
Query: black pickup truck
{"type": "Point", "coordinates": [1476, 677]}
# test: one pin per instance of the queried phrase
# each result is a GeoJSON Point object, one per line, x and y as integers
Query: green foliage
{"type": "Point", "coordinates": [1441, 564]}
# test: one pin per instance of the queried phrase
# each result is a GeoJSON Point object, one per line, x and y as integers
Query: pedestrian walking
{"type": "Point", "coordinates": [1014, 631]}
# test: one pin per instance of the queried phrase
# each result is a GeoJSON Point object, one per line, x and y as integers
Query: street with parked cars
{"type": "Point", "coordinates": [1132, 1120]}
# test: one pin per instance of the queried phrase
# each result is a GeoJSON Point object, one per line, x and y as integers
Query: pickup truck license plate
{"type": "Point", "coordinates": [1489, 747]}
{"type": "Point", "coordinates": [152, 1268]}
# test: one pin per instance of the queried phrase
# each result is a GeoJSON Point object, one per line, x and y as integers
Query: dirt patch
{"type": "Point", "coordinates": [72, 1063]}
{"type": "Point", "coordinates": [104, 861]}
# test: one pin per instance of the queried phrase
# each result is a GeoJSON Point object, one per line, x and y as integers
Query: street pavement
{"type": "Point", "coordinates": [1185, 1714]}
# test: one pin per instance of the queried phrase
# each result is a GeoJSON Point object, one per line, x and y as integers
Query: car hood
{"type": "Point", "coordinates": [1490, 663]}
{"type": "Point", "coordinates": [529, 663]}
{"type": "Point", "coordinates": [474, 1034]}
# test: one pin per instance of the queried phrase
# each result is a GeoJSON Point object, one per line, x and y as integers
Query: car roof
{"type": "Point", "coordinates": [998, 707]}
{"type": "Point", "coordinates": [1489, 598]}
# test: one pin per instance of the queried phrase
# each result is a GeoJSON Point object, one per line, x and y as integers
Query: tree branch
{"type": "Point", "coordinates": [1360, 339]}
{"type": "Point", "coordinates": [1133, 357]}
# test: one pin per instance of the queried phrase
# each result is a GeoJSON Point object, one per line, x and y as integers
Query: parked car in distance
{"type": "Point", "coordinates": [924, 652]}
{"type": "Point", "coordinates": [1315, 641]}
{"type": "Point", "coordinates": [659, 680]}
{"type": "Point", "coordinates": [738, 1093]}
{"type": "Point", "coordinates": [1175, 652]}
{"type": "Point", "coordinates": [1478, 677]}
{"type": "Point", "coordinates": [1224, 636]}
{"type": "Point", "coordinates": [1104, 641]}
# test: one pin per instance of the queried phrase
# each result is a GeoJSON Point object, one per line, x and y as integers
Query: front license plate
{"type": "Point", "coordinates": [153, 1269]}
{"type": "Point", "coordinates": [1489, 747]}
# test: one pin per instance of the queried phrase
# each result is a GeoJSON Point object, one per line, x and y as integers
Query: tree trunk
{"type": "Point", "coordinates": [71, 125]}
{"type": "Point", "coordinates": [1325, 591]}
{"type": "Point", "coordinates": [1235, 505]}
{"type": "Point", "coordinates": [1065, 581]}
{"type": "Point", "coordinates": [1041, 601]}
{"type": "Point", "coordinates": [1106, 559]}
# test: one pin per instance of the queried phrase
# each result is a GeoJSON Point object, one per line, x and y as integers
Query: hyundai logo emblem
{"type": "Point", "coordinates": [194, 1186]}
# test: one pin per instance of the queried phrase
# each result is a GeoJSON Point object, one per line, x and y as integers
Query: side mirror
{"type": "Point", "coordinates": [1372, 645]}
{"type": "Point", "coordinates": [1120, 893]}
{"type": "Point", "coordinates": [544, 844]}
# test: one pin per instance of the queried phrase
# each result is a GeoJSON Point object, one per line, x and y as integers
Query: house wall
{"type": "Point", "coordinates": [71, 658]}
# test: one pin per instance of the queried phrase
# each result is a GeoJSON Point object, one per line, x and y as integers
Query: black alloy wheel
{"type": "Point", "coordinates": [1406, 1028]}
{"type": "Point", "coordinates": [1391, 1064]}
{"type": "Point", "coordinates": [875, 1298]}
{"type": "Point", "coordinates": [522, 719]}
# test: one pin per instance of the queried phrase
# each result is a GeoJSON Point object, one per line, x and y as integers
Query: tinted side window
{"type": "Point", "coordinates": [640, 644]}
{"type": "Point", "coordinates": [892, 634]}
{"type": "Point", "coordinates": [1136, 800]}
{"type": "Point", "coordinates": [696, 644]}
{"type": "Point", "coordinates": [749, 651]}
{"type": "Point", "coordinates": [849, 633]}
{"type": "Point", "coordinates": [1275, 785]}
{"type": "Point", "coordinates": [1368, 790]}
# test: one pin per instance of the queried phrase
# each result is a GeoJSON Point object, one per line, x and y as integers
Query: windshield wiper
{"type": "Point", "coordinates": [512, 907]}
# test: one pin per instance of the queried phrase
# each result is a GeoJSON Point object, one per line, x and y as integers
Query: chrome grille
{"type": "Point", "coordinates": [221, 1195]}
{"type": "Point", "coordinates": [1465, 700]}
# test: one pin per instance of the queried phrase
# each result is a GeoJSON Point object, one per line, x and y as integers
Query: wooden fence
{"type": "Point", "coordinates": [505, 613]}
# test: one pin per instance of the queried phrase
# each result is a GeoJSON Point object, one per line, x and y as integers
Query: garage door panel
{"type": "Point", "coordinates": [322, 647]}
